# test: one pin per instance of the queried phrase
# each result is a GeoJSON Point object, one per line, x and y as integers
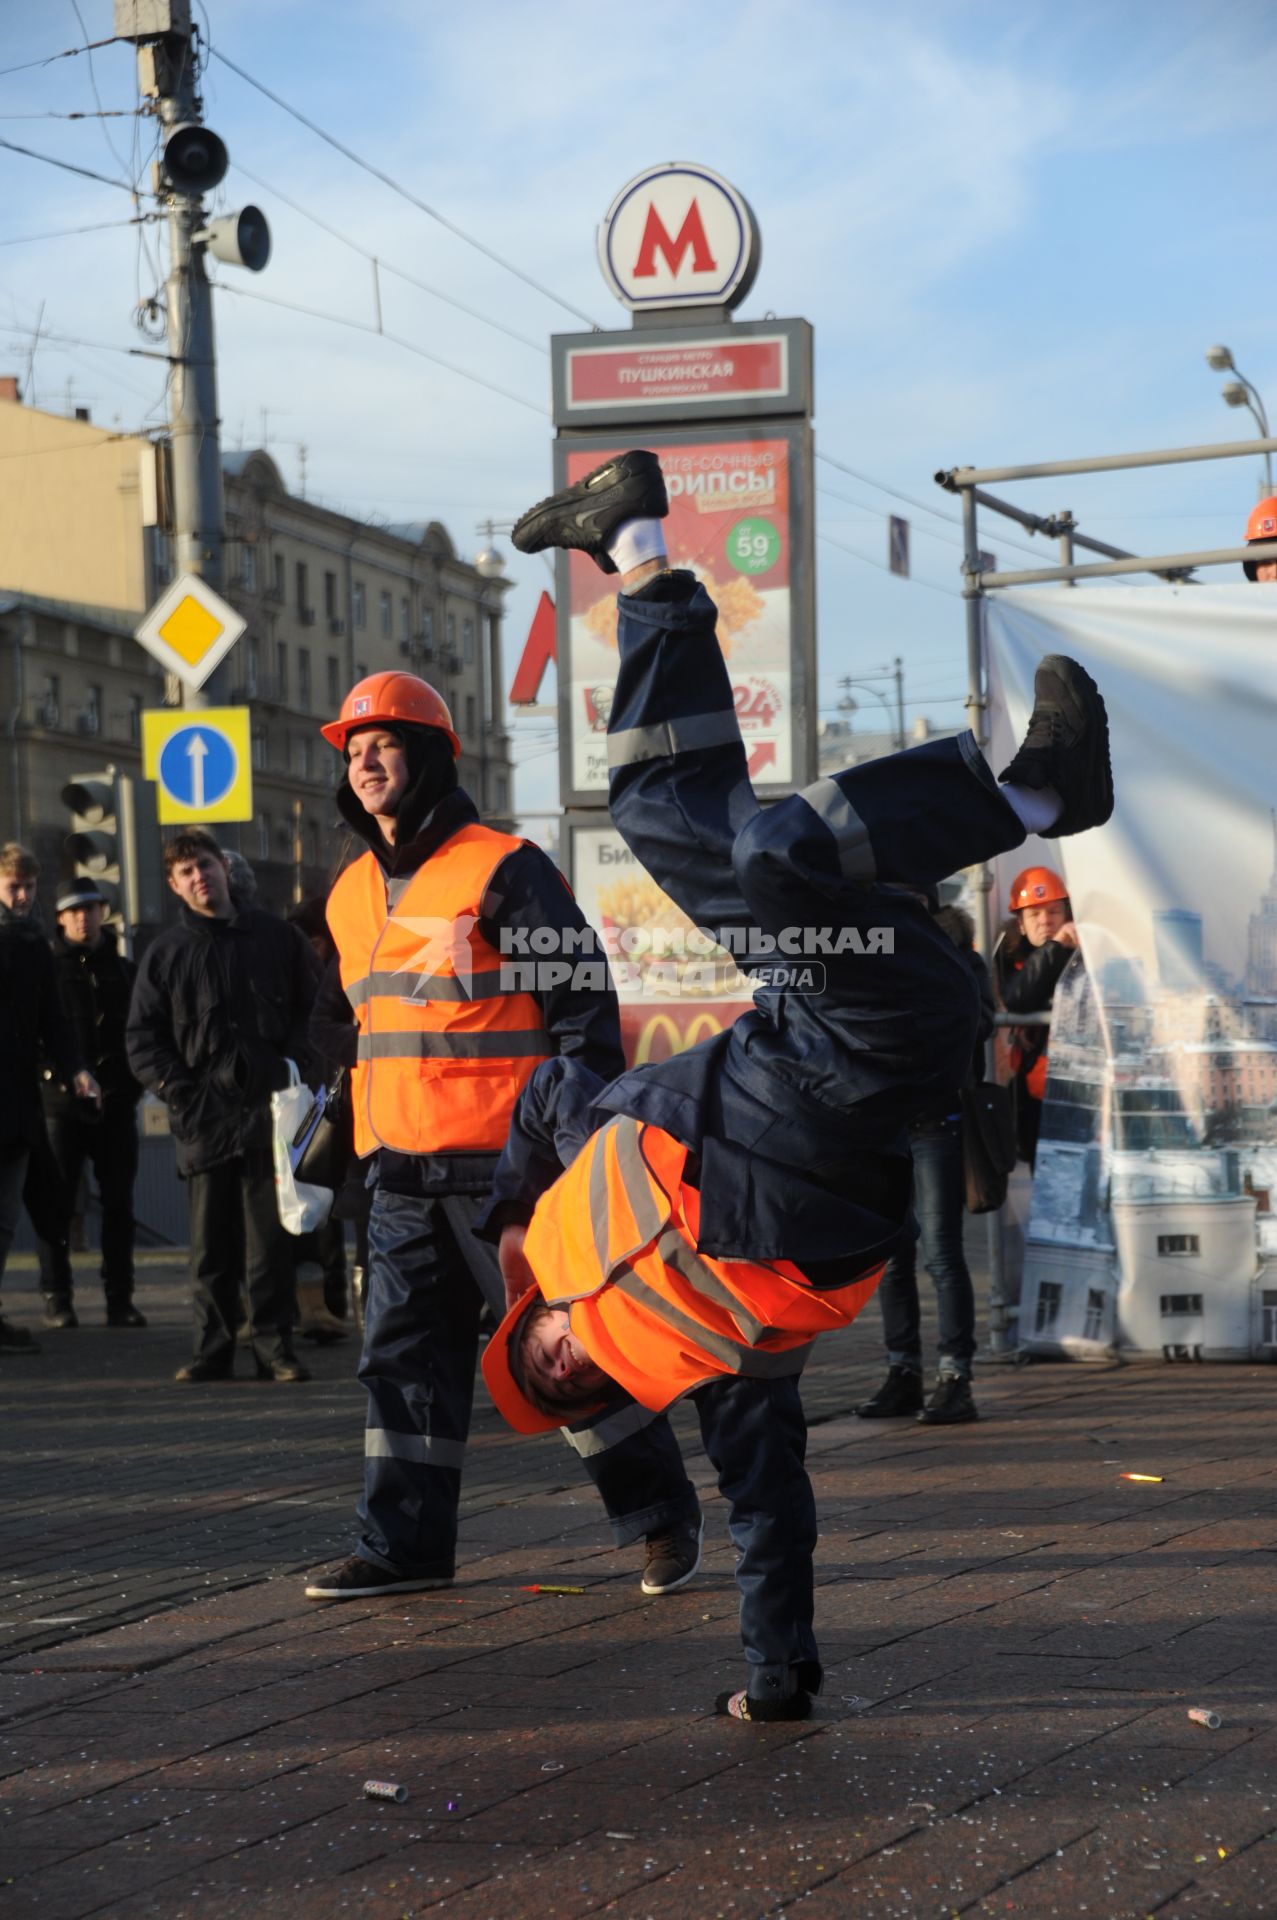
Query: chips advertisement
{"type": "Point", "coordinates": [730, 523]}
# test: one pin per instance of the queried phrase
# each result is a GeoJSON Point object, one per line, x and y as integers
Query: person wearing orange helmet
{"type": "Point", "coordinates": [1033, 952]}
{"type": "Point", "coordinates": [1262, 525]}
{"type": "Point", "coordinates": [690, 1229]}
{"type": "Point", "coordinates": [462, 964]}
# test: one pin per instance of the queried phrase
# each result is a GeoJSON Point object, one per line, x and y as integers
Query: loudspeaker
{"type": "Point", "coordinates": [240, 239]}
{"type": "Point", "coordinates": [195, 159]}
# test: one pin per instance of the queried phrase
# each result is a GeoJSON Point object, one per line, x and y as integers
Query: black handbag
{"type": "Point", "coordinates": [324, 1143]}
{"type": "Point", "coordinates": [989, 1150]}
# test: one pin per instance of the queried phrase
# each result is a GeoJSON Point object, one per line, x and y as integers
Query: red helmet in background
{"type": "Point", "coordinates": [1036, 887]}
{"type": "Point", "coordinates": [1262, 525]}
{"type": "Point", "coordinates": [391, 700]}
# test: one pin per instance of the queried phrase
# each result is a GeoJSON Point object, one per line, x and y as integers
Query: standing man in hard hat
{"type": "Point", "coordinates": [434, 927]}
{"type": "Point", "coordinates": [1262, 526]}
{"type": "Point", "coordinates": [1031, 955]}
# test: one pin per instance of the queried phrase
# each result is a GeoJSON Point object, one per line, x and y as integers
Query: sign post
{"type": "Point", "coordinates": [726, 405]}
{"type": "Point", "coordinates": [201, 763]}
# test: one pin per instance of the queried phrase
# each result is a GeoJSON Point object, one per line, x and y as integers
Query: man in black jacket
{"type": "Point", "coordinates": [95, 982]}
{"type": "Point", "coordinates": [221, 1004]}
{"type": "Point", "coordinates": [31, 1024]}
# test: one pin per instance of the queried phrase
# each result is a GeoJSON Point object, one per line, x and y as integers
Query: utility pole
{"type": "Point", "coordinates": [194, 161]}
{"type": "Point", "coordinates": [900, 704]}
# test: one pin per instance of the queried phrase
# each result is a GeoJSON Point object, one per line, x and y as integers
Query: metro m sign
{"type": "Point", "coordinates": [676, 236]}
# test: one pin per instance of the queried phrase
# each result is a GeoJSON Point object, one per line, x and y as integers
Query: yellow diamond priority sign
{"type": "Point", "coordinates": [190, 629]}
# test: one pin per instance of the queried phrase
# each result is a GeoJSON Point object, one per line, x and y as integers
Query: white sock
{"type": "Point", "coordinates": [1036, 807]}
{"type": "Point", "coordinates": [634, 542]}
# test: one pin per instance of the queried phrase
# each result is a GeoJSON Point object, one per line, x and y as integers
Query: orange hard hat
{"type": "Point", "coordinates": [1262, 525]}
{"type": "Point", "coordinates": [388, 700]}
{"type": "Point", "coordinates": [1036, 887]}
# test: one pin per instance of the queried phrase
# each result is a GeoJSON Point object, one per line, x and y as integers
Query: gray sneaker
{"type": "Point", "coordinates": [673, 1557]}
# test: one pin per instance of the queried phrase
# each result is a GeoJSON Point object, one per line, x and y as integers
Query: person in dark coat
{"type": "Point", "coordinates": [95, 982]}
{"type": "Point", "coordinates": [221, 1004]}
{"type": "Point", "coordinates": [32, 1026]}
{"type": "Point", "coordinates": [939, 1206]}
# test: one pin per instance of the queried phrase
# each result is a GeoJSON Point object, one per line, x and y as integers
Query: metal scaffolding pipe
{"type": "Point", "coordinates": [1154, 563]}
{"type": "Point", "coordinates": [960, 479]}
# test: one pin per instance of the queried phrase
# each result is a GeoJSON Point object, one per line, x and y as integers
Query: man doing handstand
{"type": "Point", "coordinates": [691, 1227]}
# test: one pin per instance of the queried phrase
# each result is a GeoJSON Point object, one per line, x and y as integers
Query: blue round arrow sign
{"type": "Point", "coordinates": [198, 766]}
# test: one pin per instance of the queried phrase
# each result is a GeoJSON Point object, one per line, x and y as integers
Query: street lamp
{"type": "Point", "coordinates": [1242, 393]}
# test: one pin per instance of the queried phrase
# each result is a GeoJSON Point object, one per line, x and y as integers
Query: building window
{"type": "Point", "coordinates": [303, 679]}
{"type": "Point", "coordinates": [1178, 1243]}
{"type": "Point", "coordinates": [450, 631]}
{"type": "Point", "coordinates": [303, 588]}
{"type": "Point", "coordinates": [405, 621]}
{"type": "Point", "coordinates": [503, 793]}
{"type": "Point", "coordinates": [49, 710]}
{"type": "Point", "coordinates": [91, 718]}
{"type": "Point", "coordinates": [470, 715]}
{"type": "Point", "coordinates": [1050, 1295]}
{"type": "Point", "coordinates": [248, 569]}
{"type": "Point", "coordinates": [135, 718]}
{"type": "Point", "coordinates": [467, 640]}
{"type": "Point", "coordinates": [334, 687]}
{"type": "Point", "coordinates": [361, 669]}
{"type": "Point", "coordinates": [359, 603]}
{"type": "Point", "coordinates": [281, 670]}
{"type": "Point", "coordinates": [305, 756]}
{"type": "Point", "coordinates": [251, 666]}
{"type": "Point", "coordinates": [277, 575]}
{"type": "Point", "coordinates": [1094, 1314]}
{"type": "Point", "coordinates": [384, 615]}
{"type": "Point", "coordinates": [259, 750]}
{"type": "Point", "coordinates": [428, 629]}
{"type": "Point", "coordinates": [263, 836]}
{"type": "Point", "coordinates": [330, 596]}
{"type": "Point", "coordinates": [1177, 1303]}
{"type": "Point", "coordinates": [1268, 1331]}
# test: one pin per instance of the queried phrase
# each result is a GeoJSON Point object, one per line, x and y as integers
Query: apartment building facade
{"type": "Point", "coordinates": [327, 599]}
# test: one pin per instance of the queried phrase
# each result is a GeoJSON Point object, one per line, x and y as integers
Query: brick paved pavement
{"type": "Point", "coordinates": [1013, 1637]}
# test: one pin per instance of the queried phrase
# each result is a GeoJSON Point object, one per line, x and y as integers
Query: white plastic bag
{"type": "Point", "coordinates": [301, 1208]}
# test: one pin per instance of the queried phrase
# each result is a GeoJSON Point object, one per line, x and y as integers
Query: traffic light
{"type": "Point", "coordinates": [114, 842]}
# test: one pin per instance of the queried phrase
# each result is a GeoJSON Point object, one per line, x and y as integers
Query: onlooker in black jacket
{"type": "Point", "coordinates": [221, 1003]}
{"type": "Point", "coordinates": [31, 1025]}
{"type": "Point", "coordinates": [95, 982]}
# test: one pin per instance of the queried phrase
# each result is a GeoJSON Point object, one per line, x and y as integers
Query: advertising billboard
{"type": "Point", "coordinates": [740, 519]}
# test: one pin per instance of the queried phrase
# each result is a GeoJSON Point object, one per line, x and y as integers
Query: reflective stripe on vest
{"type": "Point", "coordinates": [443, 1049]}
{"type": "Point", "coordinates": [615, 1241]}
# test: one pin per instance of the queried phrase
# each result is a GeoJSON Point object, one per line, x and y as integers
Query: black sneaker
{"type": "Point", "coordinates": [361, 1580]}
{"type": "Point", "coordinates": [739, 1706]}
{"type": "Point", "coordinates": [60, 1314]}
{"type": "Point", "coordinates": [126, 1315]}
{"type": "Point", "coordinates": [16, 1339]}
{"type": "Point", "coordinates": [285, 1368]}
{"type": "Point", "coordinates": [949, 1404]}
{"type": "Point", "coordinates": [1067, 746]}
{"type": "Point", "coordinates": [673, 1557]}
{"type": "Point", "coordinates": [585, 516]}
{"type": "Point", "coordinates": [899, 1394]}
{"type": "Point", "coordinates": [200, 1370]}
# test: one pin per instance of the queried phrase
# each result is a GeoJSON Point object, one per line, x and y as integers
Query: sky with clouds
{"type": "Point", "coordinates": [1015, 231]}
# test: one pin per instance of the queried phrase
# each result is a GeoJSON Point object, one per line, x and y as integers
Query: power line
{"type": "Point", "coordinates": [404, 193]}
{"type": "Point", "coordinates": [85, 173]}
{"type": "Point", "coordinates": [65, 233]}
{"type": "Point", "coordinates": [102, 113]}
{"type": "Point", "coordinates": [949, 592]}
{"type": "Point", "coordinates": [378, 333]}
{"type": "Point", "coordinates": [67, 53]}
{"type": "Point", "coordinates": [385, 266]}
{"type": "Point", "coordinates": [118, 157]}
{"type": "Point", "coordinates": [1004, 539]}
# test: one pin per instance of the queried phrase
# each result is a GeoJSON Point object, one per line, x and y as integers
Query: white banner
{"type": "Point", "coordinates": [1153, 1228]}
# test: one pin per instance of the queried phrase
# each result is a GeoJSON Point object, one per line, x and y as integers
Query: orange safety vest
{"type": "Point", "coordinates": [443, 1051]}
{"type": "Point", "coordinates": [614, 1240]}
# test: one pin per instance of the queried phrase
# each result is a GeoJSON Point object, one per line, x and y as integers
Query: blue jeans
{"type": "Point", "coordinates": [939, 1203]}
{"type": "Point", "coordinates": [426, 1278]}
